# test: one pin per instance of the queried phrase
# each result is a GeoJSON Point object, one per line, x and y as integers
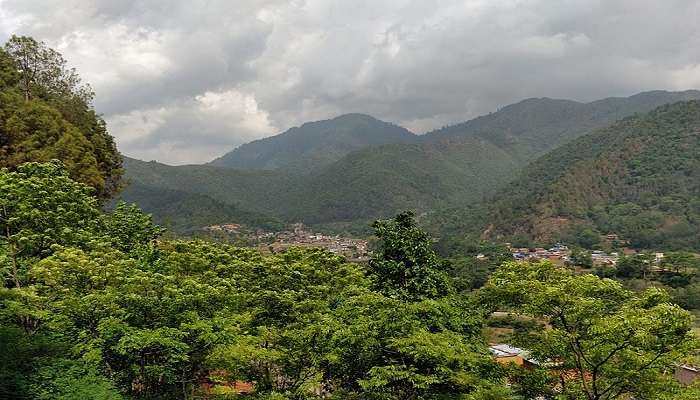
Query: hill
{"type": "Point", "coordinates": [313, 145]}
{"type": "Point", "coordinates": [459, 165]}
{"type": "Point", "coordinates": [186, 213]}
{"type": "Point", "coordinates": [451, 168]}
{"type": "Point", "coordinates": [46, 113]}
{"type": "Point", "coordinates": [639, 179]}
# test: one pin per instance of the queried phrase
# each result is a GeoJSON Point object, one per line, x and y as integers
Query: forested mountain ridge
{"type": "Point", "coordinates": [639, 178]}
{"type": "Point", "coordinates": [313, 145]}
{"type": "Point", "coordinates": [453, 167]}
{"type": "Point", "coordinates": [185, 213]}
{"type": "Point", "coordinates": [546, 119]}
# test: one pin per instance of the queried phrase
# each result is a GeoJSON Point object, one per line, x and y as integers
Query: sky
{"type": "Point", "coordinates": [187, 81]}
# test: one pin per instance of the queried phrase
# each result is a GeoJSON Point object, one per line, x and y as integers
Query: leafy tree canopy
{"type": "Point", "coordinates": [606, 342]}
{"type": "Point", "coordinates": [406, 266]}
{"type": "Point", "coordinates": [46, 113]}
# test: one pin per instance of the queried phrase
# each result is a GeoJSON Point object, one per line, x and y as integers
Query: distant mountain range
{"type": "Point", "coordinates": [344, 172]}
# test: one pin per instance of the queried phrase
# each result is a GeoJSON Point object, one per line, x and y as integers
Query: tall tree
{"type": "Point", "coordinates": [406, 266]}
{"type": "Point", "coordinates": [44, 72]}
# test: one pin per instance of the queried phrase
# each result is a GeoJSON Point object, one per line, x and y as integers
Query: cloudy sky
{"type": "Point", "coordinates": [186, 81]}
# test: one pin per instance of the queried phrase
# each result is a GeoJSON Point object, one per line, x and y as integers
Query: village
{"type": "Point", "coordinates": [561, 254]}
{"type": "Point", "coordinates": [297, 235]}
{"type": "Point", "coordinates": [356, 249]}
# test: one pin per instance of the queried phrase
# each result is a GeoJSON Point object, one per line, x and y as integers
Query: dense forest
{"type": "Point", "coordinates": [637, 179]}
{"type": "Point", "coordinates": [100, 304]}
{"type": "Point", "coordinates": [96, 306]}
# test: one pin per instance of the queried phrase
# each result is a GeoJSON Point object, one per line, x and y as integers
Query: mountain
{"type": "Point", "coordinates": [462, 164]}
{"type": "Point", "coordinates": [186, 213]}
{"type": "Point", "coordinates": [449, 169]}
{"type": "Point", "coordinates": [313, 145]}
{"type": "Point", "coordinates": [187, 198]}
{"type": "Point", "coordinates": [639, 179]}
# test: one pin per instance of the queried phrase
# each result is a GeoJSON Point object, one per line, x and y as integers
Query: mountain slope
{"type": "Point", "coordinates": [185, 213]}
{"type": "Point", "coordinates": [536, 122]}
{"type": "Point", "coordinates": [314, 145]}
{"type": "Point", "coordinates": [639, 178]}
{"type": "Point", "coordinates": [463, 164]}
{"type": "Point", "coordinates": [451, 169]}
{"type": "Point", "coordinates": [256, 191]}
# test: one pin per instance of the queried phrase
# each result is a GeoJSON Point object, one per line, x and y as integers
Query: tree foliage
{"type": "Point", "coordinates": [606, 342]}
{"type": "Point", "coordinates": [406, 266]}
{"type": "Point", "coordinates": [46, 113]}
{"type": "Point", "coordinates": [98, 306]}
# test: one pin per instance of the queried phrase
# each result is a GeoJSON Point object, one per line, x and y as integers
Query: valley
{"type": "Point", "coordinates": [457, 169]}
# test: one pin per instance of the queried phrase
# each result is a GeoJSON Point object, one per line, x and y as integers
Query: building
{"type": "Point", "coordinates": [507, 354]}
{"type": "Point", "coordinates": [687, 374]}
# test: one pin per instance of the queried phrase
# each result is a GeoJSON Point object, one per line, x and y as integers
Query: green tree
{"type": "Point", "coordinates": [384, 348]}
{"type": "Point", "coordinates": [8, 70]}
{"type": "Point", "coordinates": [129, 228]}
{"type": "Point", "coordinates": [681, 262]}
{"type": "Point", "coordinates": [473, 268]}
{"type": "Point", "coordinates": [149, 331]}
{"type": "Point", "coordinates": [412, 338]}
{"type": "Point", "coordinates": [46, 113]}
{"type": "Point", "coordinates": [635, 266]}
{"type": "Point", "coordinates": [289, 300]}
{"type": "Point", "coordinates": [43, 71]}
{"type": "Point", "coordinates": [608, 342]}
{"type": "Point", "coordinates": [40, 206]}
{"type": "Point", "coordinates": [581, 258]}
{"type": "Point", "coordinates": [65, 379]}
{"type": "Point", "coordinates": [406, 266]}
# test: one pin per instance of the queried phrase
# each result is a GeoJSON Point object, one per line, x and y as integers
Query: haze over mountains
{"type": "Point", "coordinates": [344, 172]}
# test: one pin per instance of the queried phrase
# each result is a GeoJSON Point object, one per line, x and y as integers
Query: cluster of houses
{"type": "Point", "coordinates": [602, 258]}
{"type": "Point", "coordinates": [253, 236]}
{"type": "Point", "coordinates": [298, 236]}
{"type": "Point", "coordinates": [558, 252]}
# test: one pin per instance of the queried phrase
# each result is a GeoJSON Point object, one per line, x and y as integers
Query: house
{"type": "Point", "coordinates": [507, 354]}
{"type": "Point", "coordinates": [686, 374]}
{"type": "Point", "coordinates": [219, 382]}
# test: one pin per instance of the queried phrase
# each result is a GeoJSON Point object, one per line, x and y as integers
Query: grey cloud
{"type": "Point", "coordinates": [214, 74]}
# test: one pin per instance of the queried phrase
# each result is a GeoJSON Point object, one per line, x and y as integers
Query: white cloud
{"type": "Point", "coordinates": [135, 125]}
{"type": "Point", "coordinates": [244, 106]}
{"type": "Point", "coordinates": [184, 81]}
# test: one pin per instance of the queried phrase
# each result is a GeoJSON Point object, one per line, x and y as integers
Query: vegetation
{"type": "Point", "coordinates": [96, 300]}
{"type": "Point", "coordinates": [185, 213]}
{"type": "Point", "coordinates": [96, 306]}
{"type": "Point", "coordinates": [46, 113]}
{"type": "Point", "coordinates": [308, 148]}
{"type": "Point", "coordinates": [456, 166]}
{"type": "Point", "coordinates": [637, 179]}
